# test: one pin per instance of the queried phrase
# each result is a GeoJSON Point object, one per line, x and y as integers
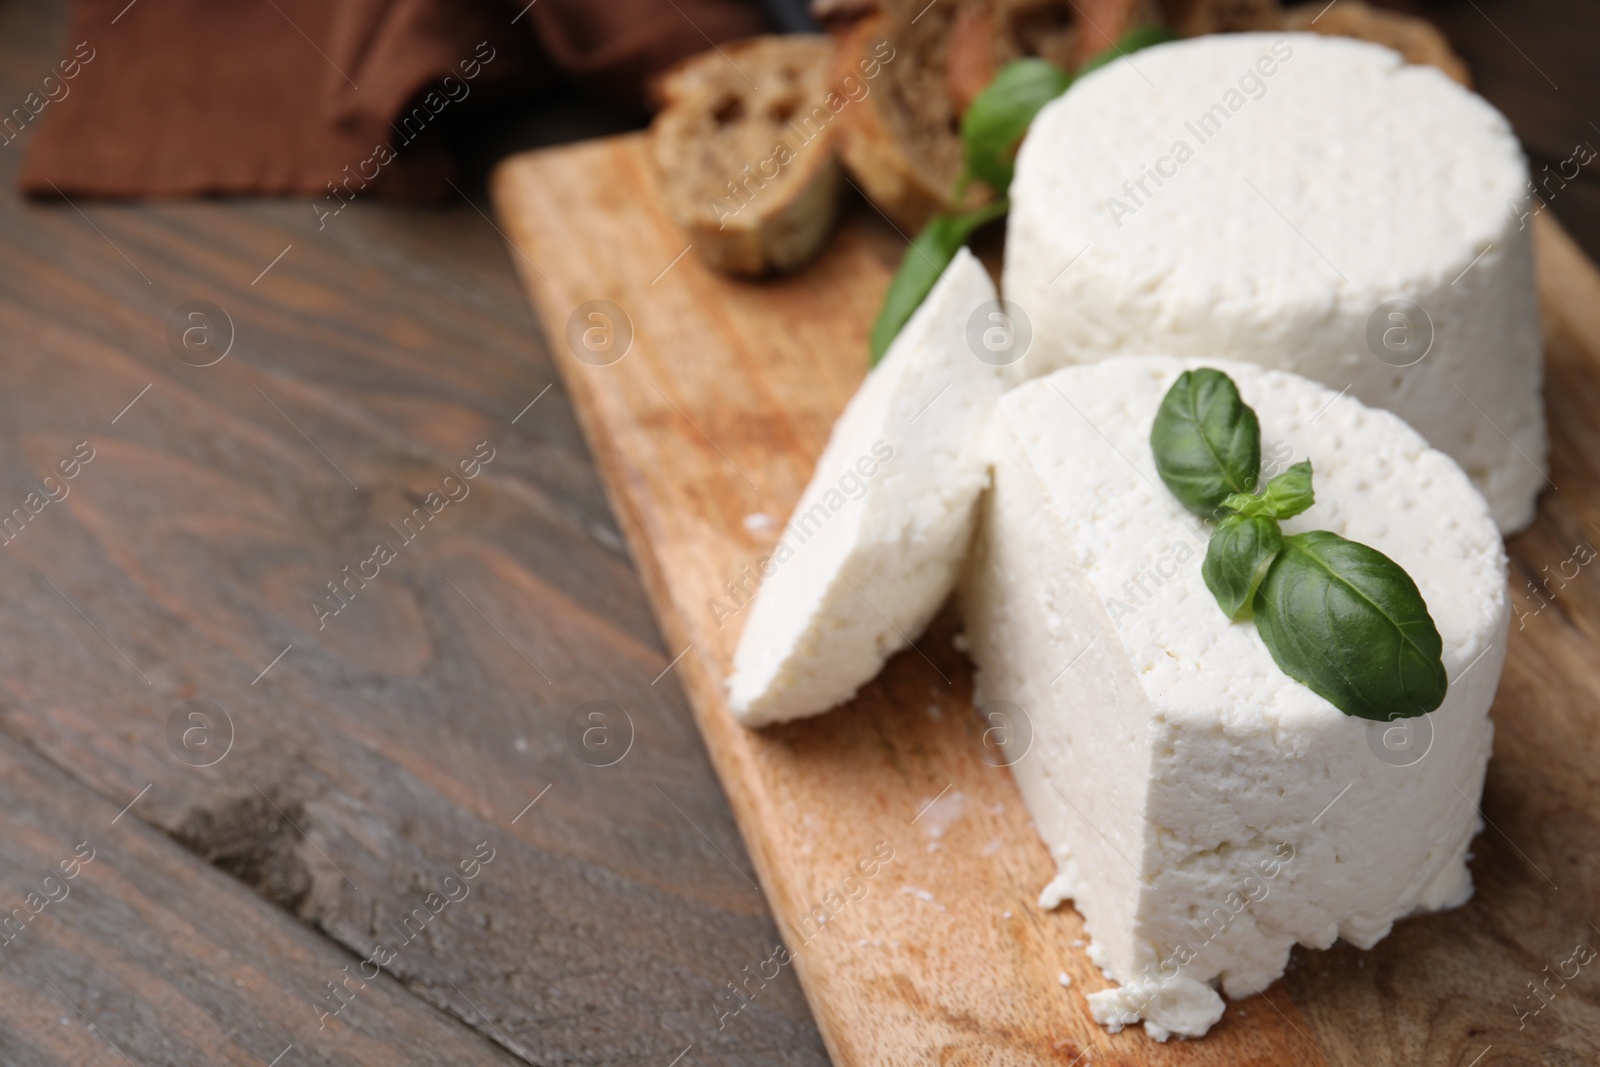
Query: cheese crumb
{"type": "Point", "coordinates": [1180, 1006]}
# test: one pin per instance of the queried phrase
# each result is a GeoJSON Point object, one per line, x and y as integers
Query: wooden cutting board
{"type": "Point", "coordinates": [706, 430]}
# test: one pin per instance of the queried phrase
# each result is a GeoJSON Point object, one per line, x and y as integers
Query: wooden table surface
{"type": "Point", "coordinates": [251, 793]}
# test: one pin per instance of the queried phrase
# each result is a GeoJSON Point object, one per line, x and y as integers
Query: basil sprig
{"type": "Point", "coordinates": [991, 131]}
{"type": "Point", "coordinates": [1337, 616]}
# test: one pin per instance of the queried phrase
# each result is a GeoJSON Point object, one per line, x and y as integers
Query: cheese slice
{"type": "Point", "coordinates": [876, 543]}
{"type": "Point", "coordinates": [1304, 202]}
{"type": "Point", "coordinates": [1205, 811]}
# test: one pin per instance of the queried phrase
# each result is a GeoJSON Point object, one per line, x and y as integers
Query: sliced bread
{"type": "Point", "coordinates": [902, 143]}
{"type": "Point", "coordinates": [744, 142]}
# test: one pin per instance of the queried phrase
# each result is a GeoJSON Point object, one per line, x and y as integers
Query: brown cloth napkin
{"type": "Point", "coordinates": [163, 98]}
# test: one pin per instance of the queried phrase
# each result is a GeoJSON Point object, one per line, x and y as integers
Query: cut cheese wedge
{"type": "Point", "coordinates": [1205, 811]}
{"type": "Point", "coordinates": [877, 541]}
{"type": "Point", "coordinates": [1304, 202]}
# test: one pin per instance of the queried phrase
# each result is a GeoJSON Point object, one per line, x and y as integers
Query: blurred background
{"type": "Point", "coordinates": [264, 798]}
{"type": "Point", "coordinates": [238, 101]}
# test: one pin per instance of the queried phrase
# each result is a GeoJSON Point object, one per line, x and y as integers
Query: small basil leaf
{"type": "Point", "coordinates": [925, 261]}
{"type": "Point", "coordinates": [1286, 496]}
{"type": "Point", "coordinates": [1206, 440]}
{"type": "Point", "coordinates": [1290, 493]}
{"type": "Point", "coordinates": [1131, 41]}
{"type": "Point", "coordinates": [1349, 623]}
{"type": "Point", "coordinates": [1237, 559]}
{"type": "Point", "coordinates": [994, 124]}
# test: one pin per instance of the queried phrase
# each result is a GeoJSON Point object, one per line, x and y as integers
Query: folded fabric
{"type": "Point", "coordinates": [170, 98]}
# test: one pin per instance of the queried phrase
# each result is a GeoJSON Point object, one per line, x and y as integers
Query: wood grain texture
{"type": "Point", "coordinates": [145, 954]}
{"type": "Point", "coordinates": [417, 722]}
{"type": "Point", "coordinates": [718, 411]}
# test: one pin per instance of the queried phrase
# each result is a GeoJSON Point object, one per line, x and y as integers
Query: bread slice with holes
{"type": "Point", "coordinates": [747, 167]}
{"type": "Point", "coordinates": [902, 142]}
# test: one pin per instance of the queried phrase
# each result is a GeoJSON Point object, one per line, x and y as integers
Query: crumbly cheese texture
{"type": "Point", "coordinates": [877, 541]}
{"type": "Point", "coordinates": [1258, 197]}
{"type": "Point", "coordinates": [1205, 811]}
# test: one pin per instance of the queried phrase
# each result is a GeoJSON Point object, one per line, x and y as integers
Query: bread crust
{"type": "Point", "coordinates": [902, 145]}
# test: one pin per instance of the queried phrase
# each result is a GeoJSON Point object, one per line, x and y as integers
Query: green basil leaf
{"type": "Point", "coordinates": [1131, 41]}
{"type": "Point", "coordinates": [994, 124]}
{"type": "Point", "coordinates": [1290, 493]}
{"type": "Point", "coordinates": [1349, 623]}
{"type": "Point", "coordinates": [1206, 440]}
{"type": "Point", "coordinates": [1286, 496]}
{"type": "Point", "coordinates": [925, 261]}
{"type": "Point", "coordinates": [1237, 559]}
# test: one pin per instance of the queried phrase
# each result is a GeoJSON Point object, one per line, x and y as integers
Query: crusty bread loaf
{"type": "Point", "coordinates": [1418, 40]}
{"type": "Point", "coordinates": [745, 145]}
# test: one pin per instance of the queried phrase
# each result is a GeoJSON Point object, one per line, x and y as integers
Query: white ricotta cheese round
{"type": "Point", "coordinates": [1304, 202]}
{"type": "Point", "coordinates": [1206, 812]}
